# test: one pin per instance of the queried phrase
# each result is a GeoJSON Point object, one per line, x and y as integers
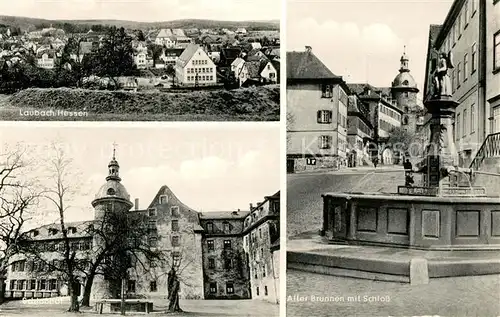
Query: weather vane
{"type": "Point", "coordinates": [114, 149]}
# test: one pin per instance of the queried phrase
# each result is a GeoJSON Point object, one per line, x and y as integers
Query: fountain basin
{"type": "Point", "coordinates": [418, 222]}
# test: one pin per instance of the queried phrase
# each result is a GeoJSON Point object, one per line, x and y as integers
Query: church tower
{"type": "Point", "coordinates": [112, 197]}
{"type": "Point", "coordinates": [404, 90]}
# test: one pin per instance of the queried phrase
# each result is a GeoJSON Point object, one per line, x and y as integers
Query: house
{"type": "Point", "coordinates": [228, 55]}
{"type": "Point", "coordinates": [170, 55]}
{"type": "Point", "coordinates": [46, 58]}
{"type": "Point", "coordinates": [256, 45]}
{"type": "Point", "coordinates": [317, 106]}
{"type": "Point", "coordinates": [178, 32]}
{"type": "Point", "coordinates": [260, 242]}
{"type": "Point", "coordinates": [241, 31]}
{"type": "Point", "coordinates": [359, 132]}
{"type": "Point", "coordinates": [183, 41]}
{"type": "Point", "coordinates": [194, 67]}
{"type": "Point", "coordinates": [236, 65]}
{"type": "Point", "coordinates": [165, 37]}
{"type": "Point", "coordinates": [257, 72]}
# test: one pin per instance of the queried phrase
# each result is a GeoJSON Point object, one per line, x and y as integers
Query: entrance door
{"type": "Point", "coordinates": [290, 166]}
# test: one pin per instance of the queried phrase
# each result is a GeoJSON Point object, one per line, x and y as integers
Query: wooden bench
{"type": "Point", "coordinates": [139, 305]}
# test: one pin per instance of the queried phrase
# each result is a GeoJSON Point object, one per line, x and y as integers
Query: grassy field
{"type": "Point", "coordinates": [247, 104]}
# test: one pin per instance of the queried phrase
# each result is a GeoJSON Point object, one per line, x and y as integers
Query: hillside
{"type": "Point", "coordinates": [26, 23]}
{"type": "Point", "coordinates": [255, 104]}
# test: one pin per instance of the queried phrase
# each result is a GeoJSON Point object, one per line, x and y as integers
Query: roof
{"type": "Point", "coordinates": [434, 30]}
{"type": "Point", "coordinates": [165, 33]}
{"type": "Point", "coordinates": [375, 92]}
{"type": "Point", "coordinates": [85, 47]}
{"type": "Point", "coordinates": [276, 244]}
{"type": "Point", "coordinates": [178, 32]}
{"type": "Point", "coordinates": [188, 53]}
{"type": "Point", "coordinates": [305, 65]}
{"type": "Point", "coordinates": [213, 215]}
{"type": "Point", "coordinates": [81, 230]}
{"type": "Point", "coordinates": [253, 69]}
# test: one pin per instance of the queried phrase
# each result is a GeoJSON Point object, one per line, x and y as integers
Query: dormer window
{"type": "Point", "coordinates": [227, 227]}
{"type": "Point", "coordinates": [111, 192]}
{"type": "Point", "coordinates": [72, 230]}
{"type": "Point", "coordinates": [174, 211]}
{"type": "Point", "coordinates": [53, 231]}
{"type": "Point", "coordinates": [210, 227]}
{"type": "Point", "coordinates": [36, 233]}
{"type": "Point", "coordinates": [326, 91]}
{"type": "Point", "coordinates": [152, 212]}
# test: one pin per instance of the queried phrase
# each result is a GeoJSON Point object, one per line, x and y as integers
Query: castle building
{"type": "Point", "coordinates": [206, 250]}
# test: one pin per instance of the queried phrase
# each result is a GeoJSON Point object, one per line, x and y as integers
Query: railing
{"type": "Point", "coordinates": [489, 148]}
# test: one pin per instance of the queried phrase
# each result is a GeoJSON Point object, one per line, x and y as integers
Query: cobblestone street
{"type": "Point", "coordinates": [311, 294]}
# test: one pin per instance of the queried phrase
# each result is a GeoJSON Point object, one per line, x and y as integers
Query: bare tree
{"type": "Point", "coordinates": [59, 191]}
{"type": "Point", "coordinates": [17, 196]}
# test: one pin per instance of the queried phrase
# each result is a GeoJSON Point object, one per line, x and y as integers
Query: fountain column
{"type": "Point", "coordinates": [441, 152]}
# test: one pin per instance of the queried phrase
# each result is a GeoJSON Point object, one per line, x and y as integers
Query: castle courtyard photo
{"type": "Point", "coordinates": [140, 220]}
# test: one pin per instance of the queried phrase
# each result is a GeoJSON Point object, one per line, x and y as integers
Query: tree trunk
{"type": "Point", "coordinates": [88, 290]}
{"type": "Point", "coordinates": [73, 292]}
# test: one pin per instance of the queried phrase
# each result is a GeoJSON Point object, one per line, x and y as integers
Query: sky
{"type": "Point", "coordinates": [209, 169]}
{"type": "Point", "coordinates": [144, 10]}
{"type": "Point", "coordinates": [363, 40]}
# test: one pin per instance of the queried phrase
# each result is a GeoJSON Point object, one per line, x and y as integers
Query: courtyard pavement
{"type": "Point", "coordinates": [56, 307]}
{"type": "Point", "coordinates": [310, 294]}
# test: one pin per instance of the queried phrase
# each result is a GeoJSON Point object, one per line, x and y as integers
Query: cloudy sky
{"type": "Point", "coordinates": [364, 40]}
{"type": "Point", "coordinates": [144, 10]}
{"type": "Point", "coordinates": [209, 169]}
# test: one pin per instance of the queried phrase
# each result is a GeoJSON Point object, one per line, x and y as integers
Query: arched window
{"type": "Point", "coordinates": [405, 83]}
{"type": "Point", "coordinates": [405, 120]}
{"type": "Point", "coordinates": [111, 191]}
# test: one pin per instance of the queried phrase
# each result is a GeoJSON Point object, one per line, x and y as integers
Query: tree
{"type": "Point", "coordinates": [58, 193]}
{"type": "Point", "coordinates": [121, 238]}
{"type": "Point", "coordinates": [17, 196]}
{"type": "Point", "coordinates": [140, 35]}
{"type": "Point", "coordinates": [155, 51]}
{"type": "Point", "coordinates": [399, 141]}
{"type": "Point", "coordinates": [114, 57]}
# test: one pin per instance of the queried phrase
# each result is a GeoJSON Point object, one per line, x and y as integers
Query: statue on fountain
{"type": "Point", "coordinates": [173, 291]}
{"type": "Point", "coordinates": [441, 81]}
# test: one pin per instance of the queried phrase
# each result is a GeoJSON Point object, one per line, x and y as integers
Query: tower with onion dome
{"type": "Point", "coordinates": [404, 91]}
{"type": "Point", "coordinates": [112, 197]}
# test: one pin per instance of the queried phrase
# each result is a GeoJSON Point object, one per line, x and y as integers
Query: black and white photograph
{"type": "Point", "coordinates": [393, 161]}
{"type": "Point", "coordinates": [177, 221]}
{"type": "Point", "coordinates": [155, 60]}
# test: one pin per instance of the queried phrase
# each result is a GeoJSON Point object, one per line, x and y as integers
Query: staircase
{"type": "Point", "coordinates": [487, 159]}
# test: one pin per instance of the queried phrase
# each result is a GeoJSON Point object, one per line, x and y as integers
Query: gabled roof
{"type": "Point", "coordinates": [85, 47]}
{"type": "Point", "coordinates": [375, 92]}
{"type": "Point", "coordinates": [253, 69]}
{"type": "Point", "coordinates": [44, 234]}
{"type": "Point", "coordinates": [305, 65]}
{"type": "Point", "coordinates": [188, 53]}
{"type": "Point", "coordinates": [165, 33]}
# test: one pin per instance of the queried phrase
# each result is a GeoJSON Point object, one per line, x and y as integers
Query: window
{"type": "Point", "coordinates": [131, 286]}
{"type": "Point", "coordinates": [152, 226]}
{"type": "Point", "coordinates": [265, 290]}
{"type": "Point", "coordinates": [465, 122]}
{"type": "Point", "coordinates": [152, 212]}
{"type": "Point", "coordinates": [153, 242]}
{"type": "Point", "coordinates": [211, 263]}
{"type": "Point", "coordinates": [32, 285]}
{"type": "Point", "coordinates": [227, 227]}
{"type": "Point", "coordinates": [326, 91]}
{"type": "Point", "coordinates": [474, 6]}
{"type": "Point", "coordinates": [466, 66]}
{"type": "Point", "coordinates": [466, 14]}
{"type": "Point", "coordinates": [228, 264]}
{"type": "Point", "coordinates": [210, 227]}
{"type": "Point", "coordinates": [152, 286]}
{"type": "Point", "coordinates": [175, 241]}
{"type": "Point", "coordinates": [472, 119]}
{"type": "Point", "coordinates": [227, 244]}
{"type": "Point", "coordinates": [324, 116]}
{"type": "Point", "coordinates": [176, 258]}
{"type": "Point", "coordinates": [213, 288]}
{"type": "Point", "coordinates": [43, 284]}
{"type": "Point", "coordinates": [473, 58]}
{"type": "Point", "coordinates": [257, 292]}
{"type": "Point", "coordinates": [496, 51]}
{"type": "Point", "coordinates": [263, 270]}
{"type": "Point", "coordinates": [111, 192]}
{"type": "Point", "coordinates": [260, 232]}
{"type": "Point", "coordinates": [210, 244]}
{"type": "Point", "coordinates": [53, 284]}
{"type": "Point", "coordinates": [174, 211]}
{"type": "Point", "coordinates": [457, 127]}
{"type": "Point", "coordinates": [229, 288]}
{"type": "Point", "coordinates": [459, 25]}
{"type": "Point", "coordinates": [325, 142]}
{"type": "Point", "coordinates": [453, 78]}
{"type": "Point", "coordinates": [459, 70]}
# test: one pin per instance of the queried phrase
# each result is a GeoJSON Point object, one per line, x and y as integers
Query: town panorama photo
{"type": "Point", "coordinates": [171, 60]}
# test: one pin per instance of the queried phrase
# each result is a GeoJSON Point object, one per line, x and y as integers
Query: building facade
{"type": "Point", "coordinates": [194, 67]}
{"type": "Point", "coordinates": [316, 114]}
{"type": "Point", "coordinates": [261, 245]}
{"type": "Point", "coordinates": [492, 16]}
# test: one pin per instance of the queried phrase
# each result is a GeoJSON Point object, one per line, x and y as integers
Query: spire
{"type": "Point", "coordinates": [113, 167]}
{"type": "Point", "coordinates": [404, 62]}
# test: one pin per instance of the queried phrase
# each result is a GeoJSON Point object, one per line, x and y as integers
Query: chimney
{"type": "Point", "coordinates": [136, 204]}
{"type": "Point", "coordinates": [308, 49]}
{"type": "Point", "coordinates": [251, 206]}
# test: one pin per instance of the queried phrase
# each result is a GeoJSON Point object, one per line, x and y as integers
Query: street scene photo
{"type": "Point", "coordinates": [160, 60]}
{"type": "Point", "coordinates": [393, 158]}
{"type": "Point", "coordinates": [134, 221]}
